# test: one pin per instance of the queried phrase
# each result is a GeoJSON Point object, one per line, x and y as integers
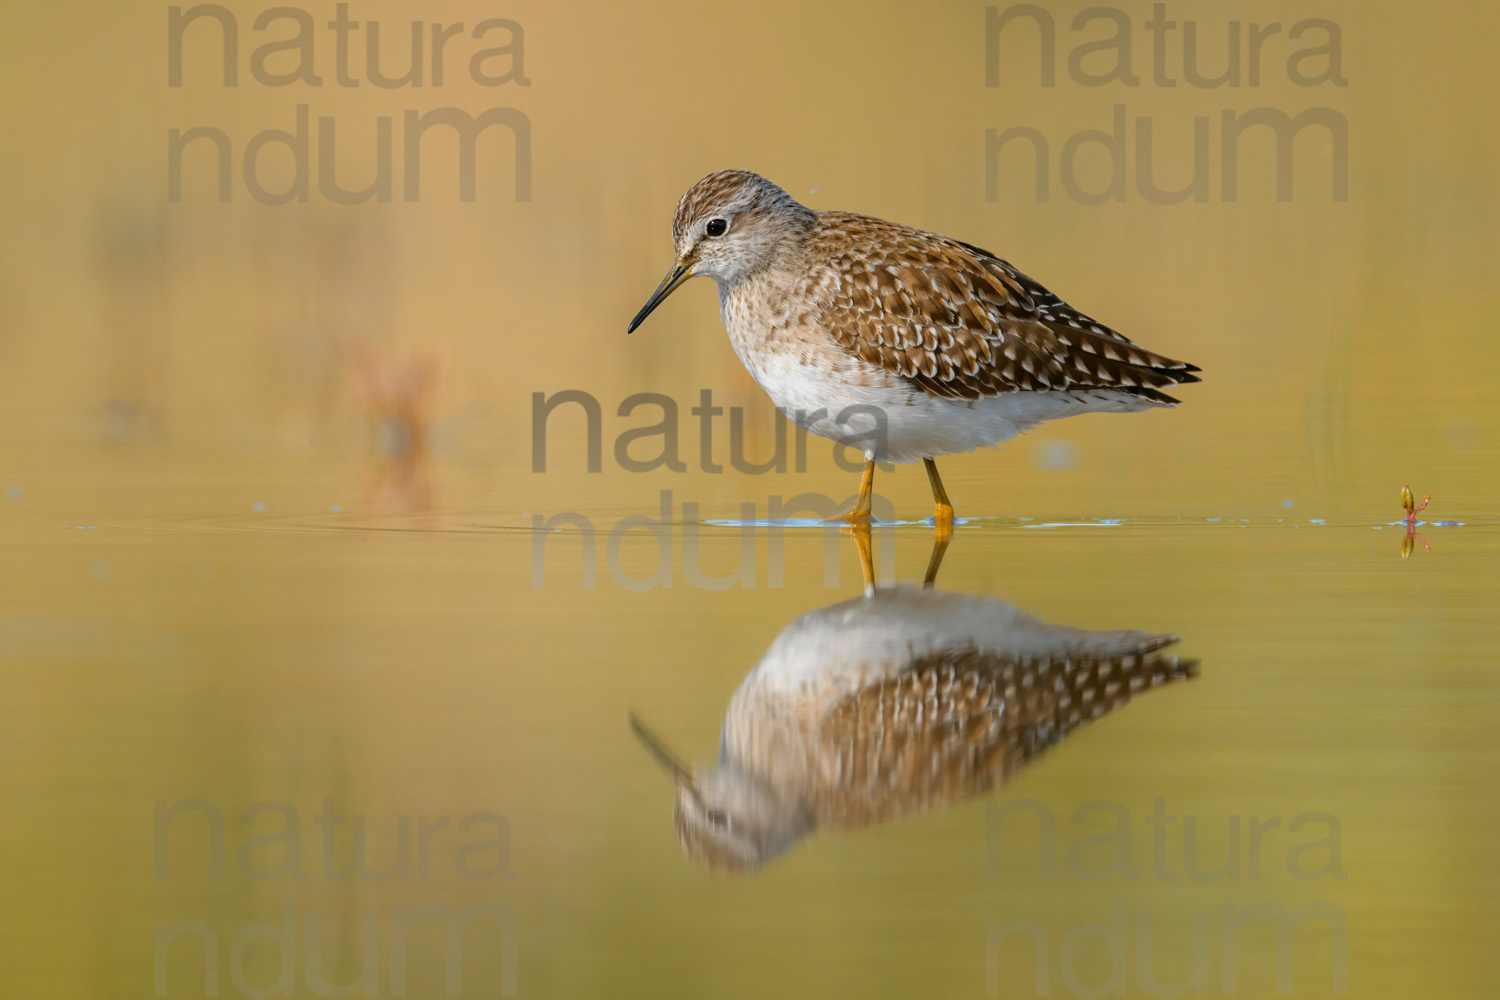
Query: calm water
{"type": "Point", "coordinates": [303, 655]}
{"type": "Point", "coordinates": [172, 634]}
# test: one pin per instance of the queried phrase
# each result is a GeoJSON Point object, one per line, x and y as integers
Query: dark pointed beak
{"type": "Point", "coordinates": [679, 768]}
{"type": "Point", "coordinates": [675, 277]}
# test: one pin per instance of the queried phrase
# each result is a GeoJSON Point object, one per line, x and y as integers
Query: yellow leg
{"type": "Point", "coordinates": [862, 542]}
{"type": "Point", "coordinates": [942, 515]}
{"type": "Point", "coordinates": [859, 511]}
{"type": "Point", "coordinates": [939, 548]}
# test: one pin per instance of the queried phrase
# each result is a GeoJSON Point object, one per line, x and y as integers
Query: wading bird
{"type": "Point", "coordinates": [905, 343]}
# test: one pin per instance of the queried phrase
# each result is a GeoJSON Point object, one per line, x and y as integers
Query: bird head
{"type": "Point", "coordinates": [727, 819]}
{"type": "Point", "coordinates": [730, 226]}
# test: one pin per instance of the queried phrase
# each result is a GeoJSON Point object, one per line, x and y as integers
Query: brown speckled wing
{"type": "Point", "coordinates": [962, 721]}
{"type": "Point", "coordinates": [960, 322]}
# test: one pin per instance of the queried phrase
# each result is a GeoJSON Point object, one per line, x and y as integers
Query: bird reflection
{"type": "Point", "coordinates": [901, 701]}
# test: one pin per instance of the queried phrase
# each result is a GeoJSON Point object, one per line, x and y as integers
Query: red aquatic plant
{"type": "Point", "coordinates": [1412, 510]}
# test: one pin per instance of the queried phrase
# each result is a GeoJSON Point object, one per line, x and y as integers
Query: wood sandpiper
{"type": "Point", "coordinates": [904, 343]}
{"type": "Point", "coordinates": [902, 702]}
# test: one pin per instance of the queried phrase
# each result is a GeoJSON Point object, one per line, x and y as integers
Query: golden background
{"type": "Point", "coordinates": [268, 495]}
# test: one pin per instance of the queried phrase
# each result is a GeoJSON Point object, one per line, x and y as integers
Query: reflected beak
{"type": "Point", "coordinates": [676, 276]}
{"type": "Point", "coordinates": [680, 770]}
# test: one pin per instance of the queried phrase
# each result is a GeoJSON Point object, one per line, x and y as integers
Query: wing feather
{"type": "Point", "coordinates": [959, 322]}
{"type": "Point", "coordinates": [961, 721]}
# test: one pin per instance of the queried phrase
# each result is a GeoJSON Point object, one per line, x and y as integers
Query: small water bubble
{"type": "Point", "coordinates": [1316, 520]}
{"type": "Point", "coordinates": [1286, 505]}
{"type": "Point", "coordinates": [15, 492]}
{"type": "Point", "coordinates": [336, 509]}
{"type": "Point", "coordinates": [99, 570]}
{"type": "Point", "coordinates": [1212, 520]}
{"type": "Point", "coordinates": [258, 505]}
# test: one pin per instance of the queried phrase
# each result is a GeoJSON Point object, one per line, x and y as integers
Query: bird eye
{"type": "Point", "coordinates": [717, 816]}
{"type": "Point", "coordinates": [716, 227]}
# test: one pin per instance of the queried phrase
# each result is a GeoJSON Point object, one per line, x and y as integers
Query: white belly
{"type": "Point", "coordinates": [835, 394]}
{"type": "Point", "coordinates": [893, 421]}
